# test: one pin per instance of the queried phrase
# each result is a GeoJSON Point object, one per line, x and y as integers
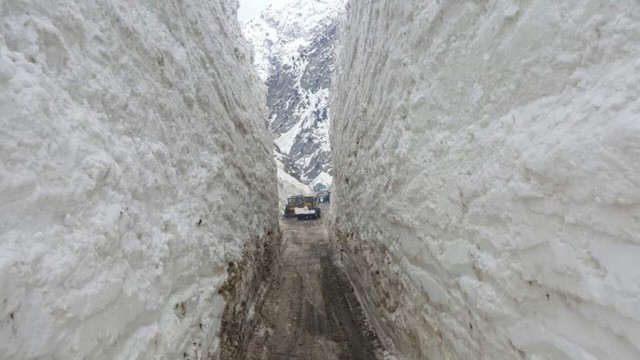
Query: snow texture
{"type": "Point", "coordinates": [289, 186]}
{"type": "Point", "coordinates": [486, 175]}
{"type": "Point", "coordinates": [324, 179]}
{"type": "Point", "coordinates": [135, 164]}
{"type": "Point", "coordinates": [281, 30]}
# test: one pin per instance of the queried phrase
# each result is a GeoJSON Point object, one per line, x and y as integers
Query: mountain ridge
{"type": "Point", "coordinates": [294, 53]}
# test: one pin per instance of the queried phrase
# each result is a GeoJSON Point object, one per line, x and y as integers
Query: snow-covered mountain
{"type": "Point", "coordinates": [289, 186]}
{"type": "Point", "coordinates": [295, 53]}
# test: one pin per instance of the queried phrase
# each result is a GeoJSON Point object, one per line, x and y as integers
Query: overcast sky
{"type": "Point", "coordinates": [250, 8]}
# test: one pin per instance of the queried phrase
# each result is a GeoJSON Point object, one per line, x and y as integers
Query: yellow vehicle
{"type": "Point", "coordinates": [309, 209]}
{"type": "Point", "coordinates": [302, 207]}
{"type": "Point", "coordinates": [292, 204]}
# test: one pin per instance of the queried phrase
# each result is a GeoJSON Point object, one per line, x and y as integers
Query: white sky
{"type": "Point", "coordinates": [251, 8]}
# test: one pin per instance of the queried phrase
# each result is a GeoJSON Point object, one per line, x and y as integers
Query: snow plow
{"type": "Point", "coordinates": [292, 204]}
{"type": "Point", "coordinates": [302, 207]}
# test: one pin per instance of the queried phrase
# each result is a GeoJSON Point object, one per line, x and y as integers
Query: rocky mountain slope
{"type": "Point", "coordinates": [295, 55]}
{"type": "Point", "coordinates": [496, 146]}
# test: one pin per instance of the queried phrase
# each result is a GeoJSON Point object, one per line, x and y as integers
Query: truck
{"type": "Point", "coordinates": [302, 207]}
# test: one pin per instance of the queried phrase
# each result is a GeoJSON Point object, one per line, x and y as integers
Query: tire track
{"type": "Point", "coordinates": [312, 312]}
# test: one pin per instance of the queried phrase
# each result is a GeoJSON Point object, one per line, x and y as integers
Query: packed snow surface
{"type": "Point", "coordinates": [135, 164]}
{"type": "Point", "coordinates": [496, 147]}
{"type": "Point", "coordinates": [324, 179]}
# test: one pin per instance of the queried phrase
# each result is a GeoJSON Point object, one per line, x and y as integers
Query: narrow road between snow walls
{"type": "Point", "coordinates": [485, 167]}
{"type": "Point", "coordinates": [310, 310]}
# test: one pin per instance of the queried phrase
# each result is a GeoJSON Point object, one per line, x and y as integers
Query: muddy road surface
{"type": "Point", "coordinates": [311, 311]}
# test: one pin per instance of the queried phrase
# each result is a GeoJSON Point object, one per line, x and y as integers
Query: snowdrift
{"type": "Point", "coordinates": [486, 173]}
{"type": "Point", "coordinates": [136, 164]}
{"type": "Point", "coordinates": [289, 186]}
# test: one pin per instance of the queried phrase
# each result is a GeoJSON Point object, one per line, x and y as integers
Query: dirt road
{"type": "Point", "coordinates": [311, 311]}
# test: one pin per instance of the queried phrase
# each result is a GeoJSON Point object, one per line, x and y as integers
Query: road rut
{"type": "Point", "coordinates": [311, 311]}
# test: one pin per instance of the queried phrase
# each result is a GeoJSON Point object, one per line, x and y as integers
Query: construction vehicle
{"type": "Point", "coordinates": [292, 204]}
{"type": "Point", "coordinates": [309, 209]}
{"type": "Point", "coordinates": [302, 207]}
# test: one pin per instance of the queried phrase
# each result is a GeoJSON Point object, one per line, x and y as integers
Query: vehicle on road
{"type": "Point", "coordinates": [290, 208]}
{"type": "Point", "coordinates": [302, 207]}
{"type": "Point", "coordinates": [309, 209]}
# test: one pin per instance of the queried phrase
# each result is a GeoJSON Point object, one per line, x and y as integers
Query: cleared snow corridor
{"type": "Point", "coordinates": [485, 200]}
{"type": "Point", "coordinates": [310, 310]}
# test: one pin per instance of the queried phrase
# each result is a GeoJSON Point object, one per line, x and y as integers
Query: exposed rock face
{"type": "Point", "coordinates": [295, 54]}
{"type": "Point", "coordinates": [486, 171]}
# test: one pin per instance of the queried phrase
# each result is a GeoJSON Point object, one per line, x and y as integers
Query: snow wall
{"type": "Point", "coordinates": [136, 164]}
{"type": "Point", "coordinates": [487, 167]}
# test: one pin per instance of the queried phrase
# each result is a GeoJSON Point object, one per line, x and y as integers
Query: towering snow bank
{"type": "Point", "coordinates": [135, 165]}
{"type": "Point", "coordinates": [486, 175]}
